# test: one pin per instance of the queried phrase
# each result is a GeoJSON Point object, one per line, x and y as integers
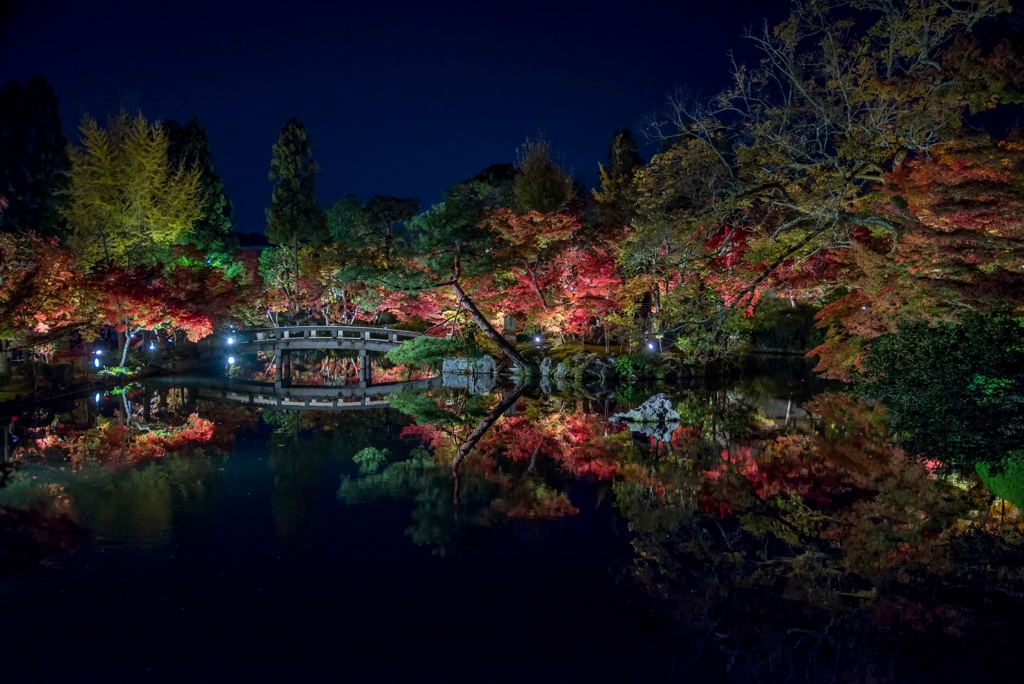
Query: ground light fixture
{"type": "Point", "coordinates": [231, 359]}
{"type": "Point", "coordinates": [96, 362]}
{"type": "Point", "coordinates": [97, 398]}
{"type": "Point", "coordinates": [538, 339]}
{"type": "Point", "coordinates": [651, 345]}
{"type": "Point", "coordinates": [231, 340]}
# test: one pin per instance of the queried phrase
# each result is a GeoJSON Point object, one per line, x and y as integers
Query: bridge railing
{"type": "Point", "coordinates": [352, 333]}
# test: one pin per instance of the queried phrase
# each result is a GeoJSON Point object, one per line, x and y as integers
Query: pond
{"type": "Point", "coordinates": [772, 531]}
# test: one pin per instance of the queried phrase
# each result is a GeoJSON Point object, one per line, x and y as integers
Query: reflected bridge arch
{"type": "Point", "coordinates": [268, 395]}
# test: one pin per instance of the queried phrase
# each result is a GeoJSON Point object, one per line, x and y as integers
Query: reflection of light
{"type": "Point", "coordinates": [231, 340]}
{"type": "Point", "coordinates": [231, 359]}
{"type": "Point", "coordinates": [97, 398]}
{"type": "Point", "coordinates": [96, 362]}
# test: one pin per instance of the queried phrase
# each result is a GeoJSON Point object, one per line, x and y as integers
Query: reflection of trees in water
{"type": "Point", "coordinates": [818, 555]}
{"type": "Point", "coordinates": [803, 553]}
{"type": "Point", "coordinates": [302, 442]}
{"type": "Point", "coordinates": [129, 475]}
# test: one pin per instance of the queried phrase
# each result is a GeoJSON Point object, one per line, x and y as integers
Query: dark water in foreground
{"type": "Point", "coordinates": [289, 545]}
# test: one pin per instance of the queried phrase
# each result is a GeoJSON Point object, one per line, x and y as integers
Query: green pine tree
{"type": "Point", "coordinates": [213, 232]}
{"type": "Point", "coordinates": [292, 216]}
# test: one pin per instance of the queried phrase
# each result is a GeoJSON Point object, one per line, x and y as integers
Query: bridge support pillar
{"type": "Point", "coordinates": [283, 372]}
{"type": "Point", "coordinates": [364, 369]}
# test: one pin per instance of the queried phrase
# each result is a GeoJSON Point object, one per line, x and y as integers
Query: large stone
{"type": "Point", "coordinates": [476, 383]}
{"type": "Point", "coordinates": [657, 409]}
{"type": "Point", "coordinates": [660, 431]}
{"type": "Point", "coordinates": [460, 364]}
{"type": "Point", "coordinates": [545, 366]}
{"type": "Point", "coordinates": [603, 368]}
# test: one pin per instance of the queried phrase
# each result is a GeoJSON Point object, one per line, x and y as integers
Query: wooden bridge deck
{"type": "Point", "coordinates": [341, 337]}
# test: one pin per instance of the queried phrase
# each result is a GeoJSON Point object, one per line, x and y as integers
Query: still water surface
{"type": "Point", "coordinates": [774, 533]}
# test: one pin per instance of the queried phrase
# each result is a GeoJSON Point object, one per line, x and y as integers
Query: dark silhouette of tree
{"type": "Point", "coordinates": [212, 232]}
{"type": "Point", "coordinates": [33, 157]}
{"type": "Point", "coordinates": [381, 218]}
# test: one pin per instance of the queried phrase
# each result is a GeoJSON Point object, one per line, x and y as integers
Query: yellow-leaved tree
{"type": "Point", "coordinates": [126, 199]}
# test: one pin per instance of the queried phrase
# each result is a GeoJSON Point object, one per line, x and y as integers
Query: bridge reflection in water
{"type": "Point", "coordinates": [282, 393]}
{"type": "Point", "coordinates": [306, 398]}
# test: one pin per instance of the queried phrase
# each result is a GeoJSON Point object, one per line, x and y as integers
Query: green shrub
{"type": "Point", "coordinates": [370, 459]}
{"type": "Point", "coordinates": [429, 351]}
{"type": "Point", "coordinates": [1009, 484]}
{"type": "Point", "coordinates": [640, 364]}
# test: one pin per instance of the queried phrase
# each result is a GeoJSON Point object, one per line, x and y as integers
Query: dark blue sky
{"type": "Point", "coordinates": [399, 98]}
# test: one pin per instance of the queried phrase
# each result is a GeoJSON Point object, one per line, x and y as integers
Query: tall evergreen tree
{"type": "Point", "coordinates": [33, 157]}
{"type": "Point", "coordinates": [188, 147]}
{"type": "Point", "coordinates": [541, 184]}
{"type": "Point", "coordinates": [292, 216]}
{"type": "Point", "coordinates": [382, 215]}
{"type": "Point", "coordinates": [614, 199]}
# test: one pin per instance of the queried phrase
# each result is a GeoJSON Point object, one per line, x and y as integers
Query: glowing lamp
{"type": "Point", "coordinates": [651, 345]}
{"type": "Point", "coordinates": [231, 340]}
{"type": "Point", "coordinates": [97, 398]}
{"type": "Point", "coordinates": [96, 362]}
{"type": "Point", "coordinates": [538, 339]}
{"type": "Point", "coordinates": [231, 359]}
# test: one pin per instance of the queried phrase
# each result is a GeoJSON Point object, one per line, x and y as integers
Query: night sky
{"type": "Point", "coordinates": [399, 98]}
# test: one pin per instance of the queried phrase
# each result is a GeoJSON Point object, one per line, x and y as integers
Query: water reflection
{"type": "Point", "coordinates": [776, 529]}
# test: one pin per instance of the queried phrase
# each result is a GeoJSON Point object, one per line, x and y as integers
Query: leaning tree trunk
{"type": "Point", "coordinates": [485, 425]}
{"type": "Point", "coordinates": [507, 349]}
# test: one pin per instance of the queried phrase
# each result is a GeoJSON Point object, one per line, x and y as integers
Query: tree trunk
{"type": "Point", "coordinates": [124, 339]}
{"type": "Point", "coordinates": [536, 286]}
{"type": "Point", "coordinates": [127, 343]}
{"type": "Point", "coordinates": [5, 357]}
{"type": "Point", "coordinates": [507, 349]}
{"type": "Point", "coordinates": [485, 425]}
{"type": "Point", "coordinates": [295, 277]}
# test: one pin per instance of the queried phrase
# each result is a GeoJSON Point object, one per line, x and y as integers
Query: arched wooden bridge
{"type": "Point", "coordinates": [340, 337]}
{"type": "Point", "coordinates": [283, 341]}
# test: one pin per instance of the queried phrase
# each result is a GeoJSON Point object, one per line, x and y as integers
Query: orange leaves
{"type": "Point", "coordinates": [112, 444]}
{"type": "Point", "coordinates": [531, 232]}
{"type": "Point", "coordinates": [39, 286]}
